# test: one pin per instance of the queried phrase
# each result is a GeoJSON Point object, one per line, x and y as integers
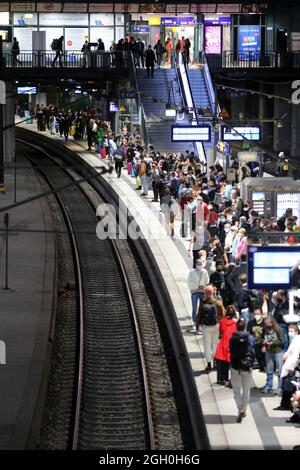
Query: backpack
{"type": "Point", "coordinates": [210, 314]}
{"type": "Point", "coordinates": [148, 169]}
{"type": "Point", "coordinates": [55, 44]}
{"type": "Point", "coordinates": [254, 300]}
{"type": "Point", "coordinates": [242, 352]}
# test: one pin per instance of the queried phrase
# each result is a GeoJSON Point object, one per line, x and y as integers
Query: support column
{"type": "Point", "coordinates": [282, 134]}
{"type": "Point", "coordinates": [295, 130]}
{"type": "Point", "coordinates": [9, 118]}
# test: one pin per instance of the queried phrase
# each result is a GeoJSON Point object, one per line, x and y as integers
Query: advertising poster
{"type": "Point", "coordinates": [75, 7]}
{"type": "Point", "coordinates": [24, 36]}
{"type": "Point", "coordinates": [22, 7]}
{"type": "Point", "coordinates": [25, 19]}
{"type": "Point", "coordinates": [101, 8]}
{"type": "Point", "coordinates": [102, 19]}
{"type": "Point", "coordinates": [75, 38]}
{"type": "Point", "coordinates": [249, 39]}
{"type": "Point", "coordinates": [213, 39]}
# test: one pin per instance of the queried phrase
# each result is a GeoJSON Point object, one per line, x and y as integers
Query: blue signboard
{"type": "Point", "coordinates": [140, 29]}
{"type": "Point", "coordinates": [220, 20]}
{"type": "Point", "coordinates": [185, 21]}
{"type": "Point", "coordinates": [249, 39]}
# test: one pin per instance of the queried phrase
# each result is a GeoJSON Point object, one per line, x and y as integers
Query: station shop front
{"type": "Point", "coordinates": [207, 27]}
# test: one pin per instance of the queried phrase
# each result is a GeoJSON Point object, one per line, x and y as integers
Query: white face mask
{"type": "Point", "coordinates": [226, 230]}
{"type": "Point", "coordinates": [203, 258]}
{"type": "Point", "coordinates": [199, 268]}
{"type": "Point", "coordinates": [292, 335]}
{"type": "Point", "coordinates": [257, 318]}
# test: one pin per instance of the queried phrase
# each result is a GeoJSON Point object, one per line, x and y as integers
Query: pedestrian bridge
{"type": "Point", "coordinates": [31, 65]}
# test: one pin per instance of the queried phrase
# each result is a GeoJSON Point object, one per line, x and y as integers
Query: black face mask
{"type": "Point", "coordinates": [279, 301]}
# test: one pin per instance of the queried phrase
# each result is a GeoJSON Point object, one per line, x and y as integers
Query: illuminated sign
{"type": "Point", "coordinates": [249, 39]}
{"type": "Point", "coordinates": [269, 266]}
{"type": "Point", "coordinates": [177, 21]}
{"type": "Point", "coordinates": [190, 133]}
{"type": "Point", "coordinates": [213, 39]}
{"type": "Point", "coordinates": [154, 21]}
{"type": "Point", "coordinates": [113, 108]}
{"type": "Point", "coordinates": [239, 133]}
{"type": "Point", "coordinates": [26, 90]}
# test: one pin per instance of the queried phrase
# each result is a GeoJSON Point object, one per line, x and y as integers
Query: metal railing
{"type": "Point", "coordinates": [67, 59]}
{"type": "Point", "coordinates": [181, 67]}
{"type": "Point", "coordinates": [253, 60]}
{"type": "Point", "coordinates": [134, 83]}
{"type": "Point", "coordinates": [209, 83]}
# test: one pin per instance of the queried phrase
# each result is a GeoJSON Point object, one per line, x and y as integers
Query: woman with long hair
{"type": "Point", "coordinates": [227, 327]}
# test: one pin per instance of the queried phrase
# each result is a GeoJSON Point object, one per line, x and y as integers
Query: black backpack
{"type": "Point", "coordinates": [210, 314]}
{"type": "Point", "coordinates": [242, 353]}
{"type": "Point", "coordinates": [55, 44]}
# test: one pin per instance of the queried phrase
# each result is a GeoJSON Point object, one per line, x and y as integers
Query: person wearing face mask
{"type": "Point", "coordinates": [256, 329]}
{"type": "Point", "coordinates": [211, 311]}
{"type": "Point", "coordinates": [230, 231]}
{"type": "Point", "coordinates": [280, 311]}
{"type": "Point", "coordinates": [227, 327]}
{"type": "Point", "coordinates": [197, 280]}
{"type": "Point", "coordinates": [273, 347]}
{"type": "Point", "coordinates": [290, 359]}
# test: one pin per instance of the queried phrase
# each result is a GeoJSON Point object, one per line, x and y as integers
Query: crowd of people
{"type": "Point", "coordinates": [242, 328]}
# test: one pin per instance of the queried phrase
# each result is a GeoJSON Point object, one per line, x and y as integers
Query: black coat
{"type": "Point", "coordinates": [150, 57]}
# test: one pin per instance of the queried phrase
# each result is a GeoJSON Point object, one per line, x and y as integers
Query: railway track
{"type": "Point", "coordinates": [122, 397]}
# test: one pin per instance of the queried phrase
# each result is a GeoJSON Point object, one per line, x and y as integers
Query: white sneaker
{"type": "Point", "coordinates": [193, 329]}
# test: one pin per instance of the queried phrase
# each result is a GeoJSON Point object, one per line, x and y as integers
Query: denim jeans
{"type": "Point", "coordinates": [247, 315]}
{"type": "Point", "coordinates": [270, 360]}
{"type": "Point", "coordinates": [196, 297]}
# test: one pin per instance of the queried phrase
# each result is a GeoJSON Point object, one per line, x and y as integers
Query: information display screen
{"type": "Point", "coordinates": [190, 133]}
{"type": "Point", "coordinates": [238, 133]}
{"type": "Point", "coordinates": [258, 201]}
{"type": "Point", "coordinates": [269, 266]}
{"type": "Point", "coordinates": [113, 107]}
{"type": "Point", "coordinates": [26, 90]}
{"type": "Point", "coordinates": [288, 201]}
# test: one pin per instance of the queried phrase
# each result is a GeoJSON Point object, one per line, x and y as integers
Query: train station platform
{"type": "Point", "coordinates": [263, 428]}
{"type": "Point", "coordinates": [26, 307]}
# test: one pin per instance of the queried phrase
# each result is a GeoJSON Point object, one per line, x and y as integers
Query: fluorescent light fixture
{"type": "Point", "coordinates": [29, 16]}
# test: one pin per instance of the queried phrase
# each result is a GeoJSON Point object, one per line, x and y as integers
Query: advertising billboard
{"type": "Point", "coordinates": [213, 39]}
{"type": "Point", "coordinates": [249, 39]}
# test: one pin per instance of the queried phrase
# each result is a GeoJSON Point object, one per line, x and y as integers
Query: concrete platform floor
{"type": "Point", "coordinates": [263, 428]}
{"type": "Point", "coordinates": [26, 308]}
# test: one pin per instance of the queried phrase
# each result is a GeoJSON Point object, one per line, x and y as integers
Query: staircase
{"type": "Point", "coordinates": [159, 128]}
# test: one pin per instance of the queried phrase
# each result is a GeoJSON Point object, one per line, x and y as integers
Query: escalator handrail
{"type": "Point", "coordinates": [133, 77]}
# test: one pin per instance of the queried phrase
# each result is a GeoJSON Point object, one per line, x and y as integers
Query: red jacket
{"type": "Point", "coordinates": [227, 328]}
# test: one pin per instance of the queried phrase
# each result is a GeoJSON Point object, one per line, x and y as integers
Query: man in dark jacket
{"type": "Point", "coordinates": [101, 46]}
{"type": "Point", "coordinates": [281, 309]}
{"type": "Point", "coordinates": [150, 61]}
{"type": "Point", "coordinates": [242, 356]}
{"type": "Point", "coordinates": [59, 49]}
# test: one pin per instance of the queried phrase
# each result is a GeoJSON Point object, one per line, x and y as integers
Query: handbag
{"type": "Point", "coordinates": [118, 158]}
